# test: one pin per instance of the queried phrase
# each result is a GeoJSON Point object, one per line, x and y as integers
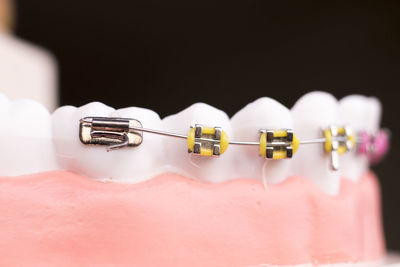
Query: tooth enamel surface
{"type": "Point", "coordinates": [129, 164]}
{"type": "Point", "coordinates": [175, 150]}
{"type": "Point", "coordinates": [4, 105]}
{"type": "Point", "coordinates": [361, 114]}
{"type": "Point", "coordinates": [25, 138]}
{"type": "Point", "coordinates": [312, 113]}
{"type": "Point", "coordinates": [28, 130]}
{"type": "Point", "coordinates": [146, 160]}
{"type": "Point", "coordinates": [264, 113]}
{"type": "Point", "coordinates": [374, 113]}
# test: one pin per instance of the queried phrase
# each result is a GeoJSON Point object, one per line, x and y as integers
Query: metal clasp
{"type": "Point", "coordinates": [338, 141]}
{"type": "Point", "coordinates": [276, 144]}
{"type": "Point", "coordinates": [206, 141]}
{"type": "Point", "coordinates": [115, 133]}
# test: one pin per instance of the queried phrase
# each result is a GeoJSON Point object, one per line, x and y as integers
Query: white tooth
{"type": "Point", "coordinates": [130, 164]}
{"type": "Point", "coordinates": [374, 113]}
{"type": "Point", "coordinates": [4, 106]}
{"type": "Point", "coordinates": [70, 152]}
{"type": "Point", "coordinates": [312, 113]}
{"type": "Point", "coordinates": [264, 113]}
{"type": "Point", "coordinates": [25, 133]}
{"type": "Point", "coordinates": [175, 150]}
{"type": "Point", "coordinates": [361, 114]}
{"type": "Point", "coordinates": [142, 162]}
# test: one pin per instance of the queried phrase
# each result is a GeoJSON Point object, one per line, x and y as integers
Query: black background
{"type": "Point", "coordinates": [168, 55]}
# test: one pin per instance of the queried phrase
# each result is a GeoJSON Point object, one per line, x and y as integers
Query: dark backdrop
{"type": "Point", "coordinates": [166, 56]}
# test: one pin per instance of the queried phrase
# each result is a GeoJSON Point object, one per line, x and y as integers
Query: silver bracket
{"type": "Point", "coordinates": [275, 143]}
{"type": "Point", "coordinates": [339, 139]}
{"type": "Point", "coordinates": [202, 140]}
{"type": "Point", "coordinates": [115, 133]}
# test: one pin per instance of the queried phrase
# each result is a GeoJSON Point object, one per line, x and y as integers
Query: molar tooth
{"type": "Point", "coordinates": [146, 160]}
{"type": "Point", "coordinates": [121, 165]}
{"type": "Point", "coordinates": [312, 113]}
{"type": "Point", "coordinates": [71, 154]}
{"type": "Point", "coordinates": [361, 113]}
{"type": "Point", "coordinates": [175, 150]}
{"type": "Point", "coordinates": [25, 133]}
{"type": "Point", "coordinates": [264, 113]}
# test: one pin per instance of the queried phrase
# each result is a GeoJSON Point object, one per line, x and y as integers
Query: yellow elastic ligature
{"type": "Point", "coordinates": [278, 144]}
{"type": "Point", "coordinates": [207, 141]}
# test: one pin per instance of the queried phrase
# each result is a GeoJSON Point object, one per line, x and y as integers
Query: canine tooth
{"type": "Point", "coordinates": [25, 133]}
{"type": "Point", "coordinates": [94, 161]}
{"type": "Point", "coordinates": [361, 113]}
{"type": "Point", "coordinates": [264, 113]}
{"type": "Point", "coordinates": [312, 113]}
{"type": "Point", "coordinates": [175, 150]}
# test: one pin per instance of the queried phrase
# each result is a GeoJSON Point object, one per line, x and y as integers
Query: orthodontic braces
{"type": "Point", "coordinates": [274, 144]}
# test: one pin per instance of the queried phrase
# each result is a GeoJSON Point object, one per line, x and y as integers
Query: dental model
{"type": "Point", "coordinates": [148, 202]}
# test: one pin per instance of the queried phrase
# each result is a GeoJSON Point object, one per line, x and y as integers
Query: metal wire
{"type": "Point", "coordinates": [239, 143]}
